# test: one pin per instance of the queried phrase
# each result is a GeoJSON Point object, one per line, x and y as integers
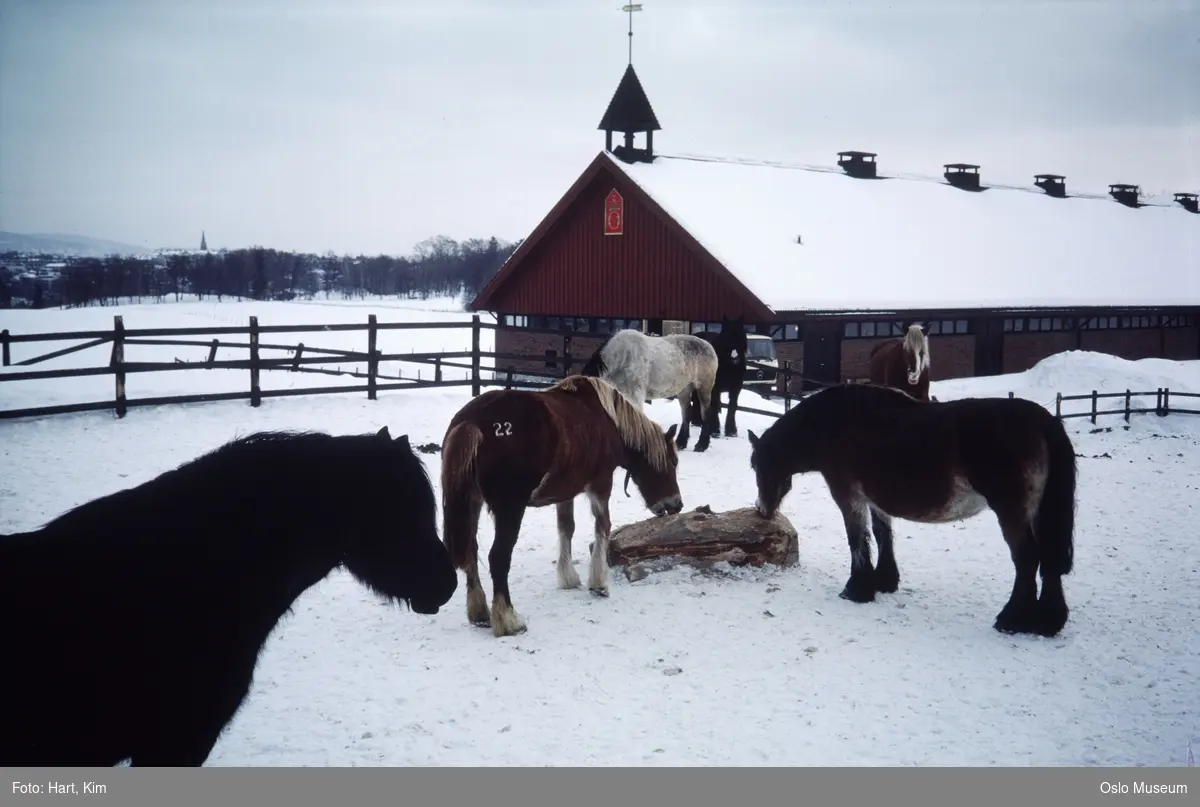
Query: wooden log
{"type": "Point", "coordinates": [702, 538]}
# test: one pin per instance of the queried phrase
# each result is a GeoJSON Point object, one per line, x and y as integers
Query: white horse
{"type": "Point", "coordinates": [645, 368]}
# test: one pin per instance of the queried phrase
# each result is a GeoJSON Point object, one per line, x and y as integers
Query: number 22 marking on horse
{"type": "Point", "coordinates": [503, 429]}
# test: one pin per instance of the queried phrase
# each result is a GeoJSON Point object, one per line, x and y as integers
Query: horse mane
{"type": "Point", "coordinates": [638, 432]}
{"type": "Point", "coordinates": [192, 481]}
{"type": "Point", "coordinates": [914, 340]}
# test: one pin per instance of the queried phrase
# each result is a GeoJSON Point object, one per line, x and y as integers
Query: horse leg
{"type": "Point", "coordinates": [598, 494]}
{"type": "Point", "coordinates": [477, 605]}
{"type": "Point", "coordinates": [1020, 614]}
{"type": "Point", "coordinates": [731, 413]}
{"type": "Point", "coordinates": [710, 402]}
{"type": "Point", "coordinates": [856, 515]}
{"type": "Point", "coordinates": [505, 620]}
{"type": "Point", "coordinates": [685, 406]}
{"type": "Point", "coordinates": [887, 574]}
{"type": "Point", "coordinates": [567, 576]}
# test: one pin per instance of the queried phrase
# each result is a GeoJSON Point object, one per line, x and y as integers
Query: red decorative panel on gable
{"type": "Point", "coordinates": [614, 213]}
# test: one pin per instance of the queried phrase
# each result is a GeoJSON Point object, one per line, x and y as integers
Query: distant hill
{"type": "Point", "coordinates": [65, 244]}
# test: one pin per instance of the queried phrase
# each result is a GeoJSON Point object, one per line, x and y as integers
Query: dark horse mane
{"type": "Point", "coordinates": [140, 615]}
{"type": "Point", "coordinates": [252, 467]}
{"type": "Point", "coordinates": [595, 367]}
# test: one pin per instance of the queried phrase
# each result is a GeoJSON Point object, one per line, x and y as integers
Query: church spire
{"type": "Point", "coordinates": [203, 242]}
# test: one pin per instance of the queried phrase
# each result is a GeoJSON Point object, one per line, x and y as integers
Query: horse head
{"type": "Point", "coordinates": [733, 340]}
{"type": "Point", "coordinates": [654, 473]}
{"type": "Point", "coordinates": [916, 352]}
{"type": "Point", "coordinates": [393, 545]}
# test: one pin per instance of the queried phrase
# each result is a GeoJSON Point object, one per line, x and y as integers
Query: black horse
{"type": "Point", "coordinates": [730, 344]}
{"type": "Point", "coordinates": [131, 625]}
{"type": "Point", "coordinates": [884, 454]}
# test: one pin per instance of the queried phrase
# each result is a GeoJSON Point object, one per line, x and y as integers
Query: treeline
{"type": "Point", "coordinates": [438, 266]}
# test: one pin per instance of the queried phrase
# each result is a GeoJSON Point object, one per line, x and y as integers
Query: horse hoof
{"type": "Point", "coordinates": [700, 449]}
{"type": "Point", "coordinates": [599, 592]}
{"type": "Point", "coordinates": [887, 583]}
{"type": "Point", "coordinates": [1013, 620]}
{"type": "Point", "coordinates": [858, 593]}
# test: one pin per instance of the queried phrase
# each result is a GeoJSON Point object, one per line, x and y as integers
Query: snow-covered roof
{"type": "Point", "coordinates": [902, 243]}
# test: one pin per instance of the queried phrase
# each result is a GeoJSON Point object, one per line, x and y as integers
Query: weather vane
{"type": "Point", "coordinates": [632, 7]}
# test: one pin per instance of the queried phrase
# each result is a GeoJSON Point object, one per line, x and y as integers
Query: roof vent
{"type": "Point", "coordinates": [1125, 194]}
{"type": "Point", "coordinates": [1188, 200]}
{"type": "Point", "coordinates": [962, 175]}
{"type": "Point", "coordinates": [858, 164]}
{"type": "Point", "coordinates": [1053, 184]}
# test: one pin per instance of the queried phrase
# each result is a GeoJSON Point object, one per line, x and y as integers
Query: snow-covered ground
{"type": "Point", "coordinates": [755, 668]}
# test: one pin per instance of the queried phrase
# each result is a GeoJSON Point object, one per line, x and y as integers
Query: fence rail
{"type": "Point", "coordinates": [307, 358]}
{"type": "Point", "coordinates": [1162, 404]}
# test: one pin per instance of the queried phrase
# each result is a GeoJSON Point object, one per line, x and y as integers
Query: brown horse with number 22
{"type": "Point", "coordinates": [513, 449]}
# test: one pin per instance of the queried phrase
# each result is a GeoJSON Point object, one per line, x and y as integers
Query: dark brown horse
{"type": "Point", "coordinates": [885, 455]}
{"type": "Point", "coordinates": [903, 364]}
{"type": "Point", "coordinates": [513, 449]}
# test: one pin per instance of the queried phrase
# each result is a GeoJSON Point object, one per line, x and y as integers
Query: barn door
{"type": "Point", "coordinates": [822, 353]}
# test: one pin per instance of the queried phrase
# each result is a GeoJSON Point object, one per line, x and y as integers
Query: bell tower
{"type": "Point", "coordinates": [629, 112]}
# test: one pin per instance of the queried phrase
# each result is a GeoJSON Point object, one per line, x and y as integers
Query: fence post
{"type": "Point", "coordinates": [373, 357]}
{"type": "Point", "coordinates": [1010, 395]}
{"type": "Point", "coordinates": [787, 375]}
{"type": "Point", "coordinates": [118, 362]}
{"type": "Point", "coordinates": [1093, 406]}
{"type": "Point", "coordinates": [296, 358]}
{"type": "Point", "coordinates": [1158, 402]}
{"type": "Point", "coordinates": [212, 352]}
{"type": "Point", "coordinates": [1058, 405]}
{"type": "Point", "coordinates": [7, 355]}
{"type": "Point", "coordinates": [508, 377]}
{"type": "Point", "coordinates": [255, 391]}
{"type": "Point", "coordinates": [437, 369]}
{"type": "Point", "coordinates": [474, 355]}
{"type": "Point", "coordinates": [567, 360]}
{"type": "Point", "coordinates": [1127, 396]}
{"type": "Point", "coordinates": [1166, 401]}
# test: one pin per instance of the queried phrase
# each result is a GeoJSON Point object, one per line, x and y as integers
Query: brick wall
{"type": "Point", "coordinates": [856, 357]}
{"type": "Point", "coordinates": [793, 352]}
{"type": "Point", "coordinates": [951, 356]}
{"type": "Point", "coordinates": [1182, 343]}
{"type": "Point", "coordinates": [533, 344]}
{"type": "Point", "coordinates": [1127, 343]}
{"type": "Point", "coordinates": [1023, 350]}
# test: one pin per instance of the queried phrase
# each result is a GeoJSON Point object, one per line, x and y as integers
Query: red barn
{"type": "Point", "coordinates": [829, 260]}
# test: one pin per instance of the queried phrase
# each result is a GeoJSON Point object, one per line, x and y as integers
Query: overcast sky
{"type": "Point", "coordinates": [368, 126]}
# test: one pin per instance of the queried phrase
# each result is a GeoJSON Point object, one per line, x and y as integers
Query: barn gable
{"type": "Point", "coordinates": [651, 267]}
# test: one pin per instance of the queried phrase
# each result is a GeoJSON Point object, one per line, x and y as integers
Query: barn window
{"type": "Point", "coordinates": [851, 330]}
{"type": "Point", "coordinates": [784, 332]}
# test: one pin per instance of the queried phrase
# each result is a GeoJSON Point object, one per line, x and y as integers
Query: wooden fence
{"type": "Point", "coordinates": [306, 358]}
{"type": "Point", "coordinates": [1162, 404]}
{"type": "Point", "coordinates": [298, 358]}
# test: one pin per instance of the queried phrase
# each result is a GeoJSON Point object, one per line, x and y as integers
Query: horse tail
{"type": "Point", "coordinates": [694, 414]}
{"type": "Point", "coordinates": [1054, 522]}
{"type": "Point", "coordinates": [461, 494]}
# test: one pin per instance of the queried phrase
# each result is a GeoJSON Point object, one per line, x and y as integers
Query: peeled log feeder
{"type": "Point", "coordinates": [702, 538]}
